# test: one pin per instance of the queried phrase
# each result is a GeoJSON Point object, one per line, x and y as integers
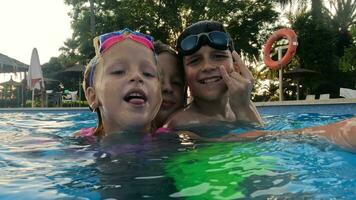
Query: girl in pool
{"type": "Point", "coordinates": [173, 82]}
{"type": "Point", "coordinates": [122, 85]}
{"type": "Point", "coordinates": [220, 83]}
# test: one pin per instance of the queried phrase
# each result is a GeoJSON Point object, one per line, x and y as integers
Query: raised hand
{"type": "Point", "coordinates": [240, 82]}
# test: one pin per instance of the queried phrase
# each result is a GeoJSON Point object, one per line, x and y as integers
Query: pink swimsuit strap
{"type": "Point", "coordinates": [163, 130]}
{"type": "Point", "coordinates": [88, 134]}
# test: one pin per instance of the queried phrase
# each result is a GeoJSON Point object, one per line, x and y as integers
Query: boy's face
{"type": "Point", "coordinates": [128, 87]}
{"type": "Point", "coordinates": [203, 75]}
{"type": "Point", "coordinates": [172, 86]}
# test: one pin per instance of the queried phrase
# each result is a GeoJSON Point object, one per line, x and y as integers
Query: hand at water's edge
{"type": "Point", "coordinates": [342, 133]}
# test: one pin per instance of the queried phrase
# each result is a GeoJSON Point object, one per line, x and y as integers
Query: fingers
{"type": "Point", "coordinates": [226, 77]}
{"type": "Point", "coordinates": [241, 79]}
{"type": "Point", "coordinates": [241, 67]}
{"type": "Point", "coordinates": [233, 77]}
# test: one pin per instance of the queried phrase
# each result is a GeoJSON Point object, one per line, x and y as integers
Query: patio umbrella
{"type": "Point", "coordinates": [10, 82]}
{"type": "Point", "coordinates": [35, 76]}
{"type": "Point", "coordinates": [10, 65]}
{"type": "Point", "coordinates": [76, 70]}
{"type": "Point", "coordinates": [49, 80]}
{"type": "Point", "coordinates": [297, 74]}
{"type": "Point", "coordinates": [9, 86]}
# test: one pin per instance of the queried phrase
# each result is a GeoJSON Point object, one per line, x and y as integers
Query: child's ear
{"type": "Point", "coordinates": [92, 98]}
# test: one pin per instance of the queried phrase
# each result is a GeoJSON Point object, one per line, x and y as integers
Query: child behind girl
{"type": "Point", "coordinates": [173, 82]}
{"type": "Point", "coordinates": [122, 85]}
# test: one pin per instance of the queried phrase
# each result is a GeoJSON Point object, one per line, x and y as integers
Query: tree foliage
{"type": "Point", "coordinates": [247, 21]}
{"type": "Point", "coordinates": [348, 61]}
{"type": "Point", "coordinates": [326, 43]}
{"type": "Point", "coordinates": [316, 45]}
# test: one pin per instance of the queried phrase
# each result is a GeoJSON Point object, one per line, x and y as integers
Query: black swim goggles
{"type": "Point", "coordinates": [215, 39]}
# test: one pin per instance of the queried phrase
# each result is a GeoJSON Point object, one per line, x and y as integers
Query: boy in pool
{"type": "Point", "coordinates": [221, 86]}
{"type": "Point", "coordinates": [122, 85]}
{"type": "Point", "coordinates": [220, 83]}
{"type": "Point", "coordinates": [173, 82]}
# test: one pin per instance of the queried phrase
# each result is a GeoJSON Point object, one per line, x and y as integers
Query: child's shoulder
{"type": "Point", "coordinates": [181, 118]}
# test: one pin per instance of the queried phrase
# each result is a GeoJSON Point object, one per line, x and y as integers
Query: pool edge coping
{"type": "Point", "coordinates": [258, 104]}
{"type": "Point", "coordinates": [306, 102]}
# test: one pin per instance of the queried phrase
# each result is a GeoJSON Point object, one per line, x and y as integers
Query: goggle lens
{"type": "Point", "coordinates": [219, 38]}
{"type": "Point", "coordinates": [189, 43]}
{"type": "Point", "coordinates": [215, 39]}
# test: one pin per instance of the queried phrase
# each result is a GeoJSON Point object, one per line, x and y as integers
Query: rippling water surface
{"type": "Point", "coordinates": [40, 160]}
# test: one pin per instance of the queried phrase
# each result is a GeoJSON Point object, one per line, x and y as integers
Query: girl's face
{"type": "Point", "coordinates": [172, 86]}
{"type": "Point", "coordinates": [203, 75]}
{"type": "Point", "coordinates": [127, 87]}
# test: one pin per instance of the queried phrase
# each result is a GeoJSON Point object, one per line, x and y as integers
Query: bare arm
{"type": "Point", "coordinates": [341, 133]}
{"type": "Point", "coordinates": [249, 113]}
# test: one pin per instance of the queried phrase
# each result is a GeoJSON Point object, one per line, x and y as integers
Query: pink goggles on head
{"type": "Point", "coordinates": [107, 40]}
{"type": "Point", "coordinates": [103, 42]}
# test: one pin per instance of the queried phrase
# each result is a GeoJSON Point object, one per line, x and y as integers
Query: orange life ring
{"type": "Point", "coordinates": [290, 35]}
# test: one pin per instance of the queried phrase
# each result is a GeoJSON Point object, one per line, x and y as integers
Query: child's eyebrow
{"type": "Point", "coordinates": [115, 63]}
{"type": "Point", "coordinates": [220, 51]}
{"type": "Point", "coordinates": [148, 64]}
{"type": "Point", "coordinates": [190, 57]}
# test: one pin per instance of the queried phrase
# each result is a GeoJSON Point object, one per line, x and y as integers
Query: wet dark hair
{"type": "Point", "coordinates": [202, 27]}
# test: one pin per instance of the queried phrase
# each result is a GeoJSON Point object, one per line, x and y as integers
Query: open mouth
{"type": "Point", "coordinates": [136, 97]}
{"type": "Point", "coordinates": [210, 80]}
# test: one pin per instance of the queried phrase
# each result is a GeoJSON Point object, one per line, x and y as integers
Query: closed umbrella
{"type": "Point", "coordinates": [35, 76]}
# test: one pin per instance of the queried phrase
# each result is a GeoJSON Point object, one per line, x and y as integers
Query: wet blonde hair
{"type": "Point", "coordinates": [90, 69]}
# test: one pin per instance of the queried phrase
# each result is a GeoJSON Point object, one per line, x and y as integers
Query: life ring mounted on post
{"type": "Point", "coordinates": [290, 35]}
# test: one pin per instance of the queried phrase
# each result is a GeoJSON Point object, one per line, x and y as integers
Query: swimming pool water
{"type": "Point", "coordinates": [40, 160]}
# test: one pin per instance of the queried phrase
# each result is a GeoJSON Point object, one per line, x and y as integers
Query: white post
{"type": "Point", "coordinates": [80, 93]}
{"type": "Point", "coordinates": [297, 89]}
{"type": "Point", "coordinates": [279, 49]}
{"type": "Point", "coordinates": [33, 98]}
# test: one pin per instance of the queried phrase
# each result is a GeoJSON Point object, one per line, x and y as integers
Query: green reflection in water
{"type": "Point", "coordinates": [218, 170]}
